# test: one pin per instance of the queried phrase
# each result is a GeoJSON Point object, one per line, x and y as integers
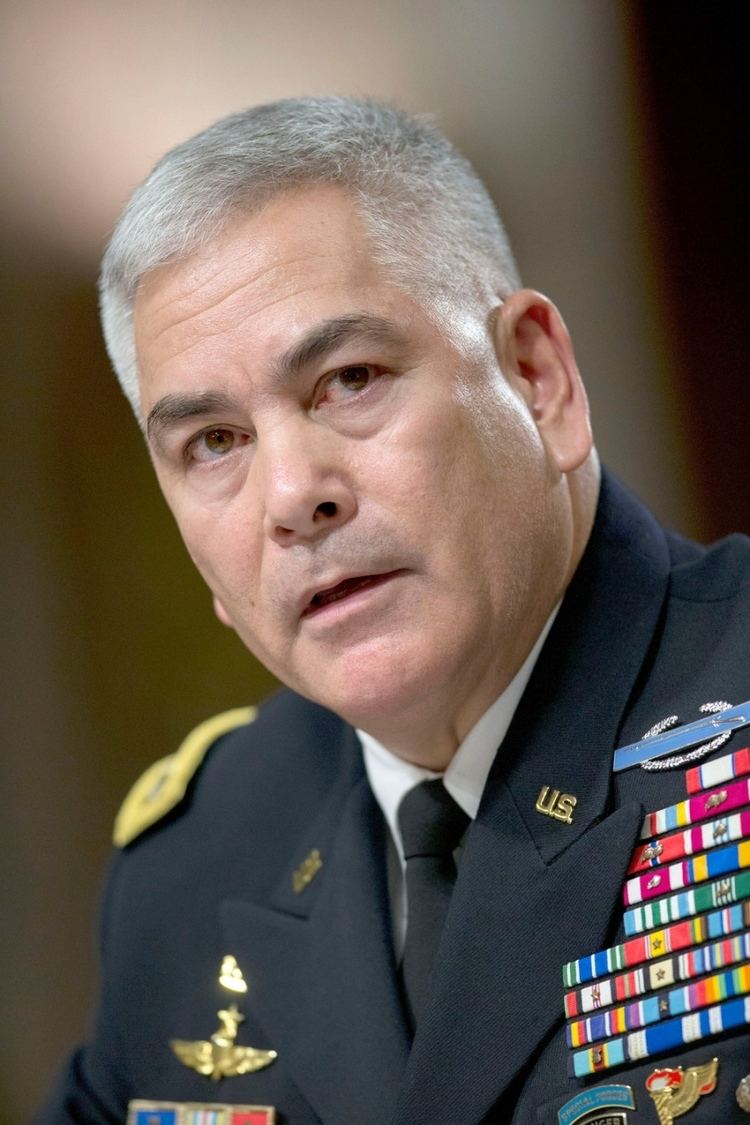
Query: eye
{"type": "Point", "coordinates": [347, 382]}
{"type": "Point", "coordinates": [213, 445]}
{"type": "Point", "coordinates": [355, 378]}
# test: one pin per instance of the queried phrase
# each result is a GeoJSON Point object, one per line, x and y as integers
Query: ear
{"type": "Point", "coordinates": [536, 355]}
{"type": "Point", "coordinates": [221, 613]}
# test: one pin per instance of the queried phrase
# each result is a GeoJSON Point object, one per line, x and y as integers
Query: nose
{"type": "Point", "coordinates": [307, 487]}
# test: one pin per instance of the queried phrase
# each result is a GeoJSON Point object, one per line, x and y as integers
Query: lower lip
{"type": "Point", "coordinates": [353, 601]}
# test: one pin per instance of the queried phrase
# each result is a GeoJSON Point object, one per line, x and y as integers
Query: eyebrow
{"type": "Point", "coordinates": [315, 345]}
{"type": "Point", "coordinates": [174, 408]}
{"type": "Point", "coordinates": [325, 338]}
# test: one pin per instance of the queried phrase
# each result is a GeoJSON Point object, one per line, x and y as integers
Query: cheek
{"type": "Point", "coordinates": [222, 550]}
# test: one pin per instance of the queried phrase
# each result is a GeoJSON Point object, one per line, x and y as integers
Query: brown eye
{"type": "Point", "coordinates": [218, 441]}
{"type": "Point", "coordinates": [354, 378]}
{"type": "Point", "coordinates": [212, 444]}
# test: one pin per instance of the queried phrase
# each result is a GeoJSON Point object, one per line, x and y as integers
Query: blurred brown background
{"type": "Point", "coordinates": [609, 133]}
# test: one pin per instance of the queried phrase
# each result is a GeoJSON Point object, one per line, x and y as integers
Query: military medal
{"type": "Point", "coordinates": [705, 805]}
{"type": "Point", "coordinates": [701, 838]}
{"type": "Point", "coordinates": [670, 741]}
{"type": "Point", "coordinates": [678, 1001]}
{"type": "Point", "coordinates": [707, 865]}
{"type": "Point", "coordinates": [675, 1091]}
{"type": "Point", "coordinates": [717, 772]}
{"type": "Point", "coordinates": [743, 1094]}
{"type": "Point", "coordinates": [590, 1106]}
{"type": "Point", "coordinates": [647, 947]}
{"type": "Point", "coordinates": [723, 892]}
{"type": "Point", "coordinates": [683, 972]}
{"type": "Point", "coordinates": [219, 1056]}
{"type": "Point", "coordinates": [141, 1112]}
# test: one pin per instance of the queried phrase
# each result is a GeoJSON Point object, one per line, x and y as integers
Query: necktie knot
{"type": "Point", "coordinates": [430, 821]}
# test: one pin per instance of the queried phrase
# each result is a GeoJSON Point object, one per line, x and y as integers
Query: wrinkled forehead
{"type": "Point", "coordinates": [315, 227]}
{"type": "Point", "coordinates": [295, 253]}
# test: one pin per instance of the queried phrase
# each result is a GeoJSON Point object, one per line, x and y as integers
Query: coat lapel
{"type": "Point", "coordinates": [323, 986]}
{"type": "Point", "coordinates": [533, 892]}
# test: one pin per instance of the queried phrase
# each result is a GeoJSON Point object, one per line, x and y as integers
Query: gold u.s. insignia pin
{"type": "Point", "coordinates": [141, 1112]}
{"type": "Point", "coordinates": [558, 805]}
{"type": "Point", "coordinates": [674, 1091]}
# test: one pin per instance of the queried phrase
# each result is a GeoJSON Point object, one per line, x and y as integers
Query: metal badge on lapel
{"type": "Point", "coordinates": [558, 805]}
{"type": "Point", "coordinates": [219, 1056]}
{"type": "Point", "coordinates": [231, 976]}
{"type": "Point", "coordinates": [674, 1091]}
{"type": "Point", "coordinates": [307, 871]}
{"type": "Point", "coordinates": [656, 745]}
{"type": "Point", "coordinates": [141, 1112]}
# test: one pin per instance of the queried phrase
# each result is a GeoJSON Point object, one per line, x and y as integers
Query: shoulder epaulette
{"type": "Point", "coordinates": [163, 784]}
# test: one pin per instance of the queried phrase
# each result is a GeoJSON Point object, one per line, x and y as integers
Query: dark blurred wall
{"type": "Point", "coordinates": [111, 650]}
{"type": "Point", "coordinates": [689, 79]}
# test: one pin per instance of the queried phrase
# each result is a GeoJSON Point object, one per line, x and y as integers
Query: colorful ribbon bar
{"type": "Point", "coordinates": [686, 873]}
{"type": "Point", "coordinates": [680, 738]}
{"type": "Point", "coordinates": [663, 1005]}
{"type": "Point", "coordinates": [723, 892]}
{"type": "Point", "coordinates": [142, 1112]}
{"type": "Point", "coordinates": [718, 771]}
{"type": "Point", "coordinates": [661, 974]}
{"type": "Point", "coordinates": [702, 837]}
{"type": "Point", "coordinates": [695, 809]}
{"type": "Point", "coordinates": [670, 1035]}
{"type": "Point", "coordinates": [648, 947]}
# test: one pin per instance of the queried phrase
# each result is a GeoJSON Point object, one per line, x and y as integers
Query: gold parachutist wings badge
{"type": "Point", "coordinates": [675, 1091]}
{"type": "Point", "coordinates": [219, 1056]}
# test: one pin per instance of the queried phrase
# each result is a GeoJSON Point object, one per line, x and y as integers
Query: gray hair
{"type": "Point", "coordinates": [432, 223]}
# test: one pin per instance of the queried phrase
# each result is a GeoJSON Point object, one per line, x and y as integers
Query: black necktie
{"type": "Point", "coordinates": [431, 826]}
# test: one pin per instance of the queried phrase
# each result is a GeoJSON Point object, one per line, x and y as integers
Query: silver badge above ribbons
{"type": "Point", "coordinates": [672, 741]}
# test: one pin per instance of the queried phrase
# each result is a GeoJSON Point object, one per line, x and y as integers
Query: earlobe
{"type": "Point", "coordinates": [536, 355]}
{"type": "Point", "coordinates": [221, 613]}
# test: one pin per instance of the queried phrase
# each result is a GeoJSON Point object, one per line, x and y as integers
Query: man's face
{"type": "Point", "coordinates": [370, 502]}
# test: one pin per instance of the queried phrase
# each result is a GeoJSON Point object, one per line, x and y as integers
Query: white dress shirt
{"type": "Point", "coordinates": [391, 777]}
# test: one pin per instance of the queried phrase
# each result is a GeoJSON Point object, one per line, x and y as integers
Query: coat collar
{"type": "Point", "coordinates": [322, 971]}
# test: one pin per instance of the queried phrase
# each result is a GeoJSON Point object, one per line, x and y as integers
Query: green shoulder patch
{"type": "Point", "coordinates": [163, 784]}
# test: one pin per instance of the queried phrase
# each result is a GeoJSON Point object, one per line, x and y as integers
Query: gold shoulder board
{"type": "Point", "coordinates": [163, 784]}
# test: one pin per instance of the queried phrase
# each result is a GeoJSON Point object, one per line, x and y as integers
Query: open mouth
{"type": "Point", "coordinates": [345, 589]}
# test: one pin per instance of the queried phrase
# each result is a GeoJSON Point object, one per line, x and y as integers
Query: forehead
{"type": "Point", "coordinates": [307, 241]}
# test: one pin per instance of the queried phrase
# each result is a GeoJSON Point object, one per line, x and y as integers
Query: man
{"type": "Point", "coordinates": [376, 445]}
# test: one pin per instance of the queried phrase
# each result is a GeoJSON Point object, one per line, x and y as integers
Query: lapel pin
{"type": "Point", "coordinates": [307, 871]}
{"type": "Point", "coordinates": [674, 1091]}
{"type": "Point", "coordinates": [743, 1094]}
{"type": "Point", "coordinates": [551, 802]}
{"type": "Point", "coordinates": [219, 1056]}
{"type": "Point", "coordinates": [230, 975]}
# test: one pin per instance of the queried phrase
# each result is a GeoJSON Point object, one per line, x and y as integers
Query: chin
{"type": "Point", "coordinates": [379, 697]}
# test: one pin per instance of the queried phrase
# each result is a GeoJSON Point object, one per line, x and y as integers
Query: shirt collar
{"type": "Point", "coordinates": [391, 777]}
